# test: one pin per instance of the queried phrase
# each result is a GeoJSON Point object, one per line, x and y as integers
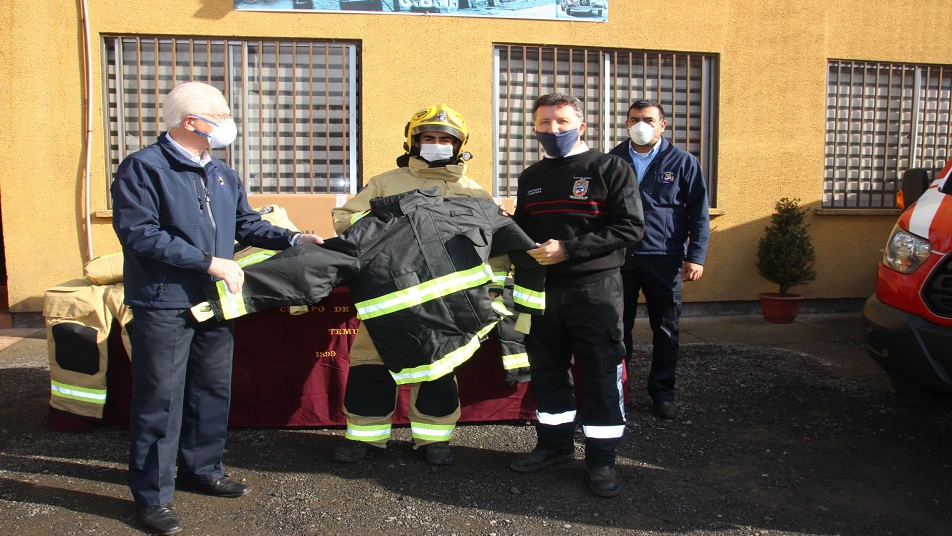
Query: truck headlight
{"type": "Point", "coordinates": [905, 251]}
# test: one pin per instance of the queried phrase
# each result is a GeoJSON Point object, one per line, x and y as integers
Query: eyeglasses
{"type": "Point", "coordinates": [218, 118]}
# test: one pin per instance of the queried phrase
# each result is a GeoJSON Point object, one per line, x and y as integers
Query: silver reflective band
{"type": "Point", "coordinates": [554, 419]}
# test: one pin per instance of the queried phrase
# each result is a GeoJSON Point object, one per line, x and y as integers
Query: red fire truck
{"type": "Point", "coordinates": [909, 319]}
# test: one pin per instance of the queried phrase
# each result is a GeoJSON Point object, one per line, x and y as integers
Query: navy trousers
{"type": "Point", "coordinates": [659, 278]}
{"type": "Point", "coordinates": [181, 391]}
{"type": "Point", "coordinates": [585, 319]}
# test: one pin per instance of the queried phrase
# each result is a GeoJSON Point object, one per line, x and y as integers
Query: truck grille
{"type": "Point", "coordinates": [585, 2]}
{"type": "Point", "coordinates": [937, 292]}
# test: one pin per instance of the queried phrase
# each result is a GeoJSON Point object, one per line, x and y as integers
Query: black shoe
{"type": "Point", "coordinates": [539, 459]}
{"type": "Point", "coordinates": [354, 451]}
{"type": "Point", "coordinates": [438, 453]}
{"type": "Point", "coordinates": [159, 519]}
{"type": "Point", "coordinates": [666, 410]}
{"type": "Point", "coordinates": [223, 487]}
{"type": "Point", "coordinates": [604, 481]}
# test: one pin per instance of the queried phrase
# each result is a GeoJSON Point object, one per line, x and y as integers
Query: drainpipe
{"type": "Point", "coordinates": [87, 56]}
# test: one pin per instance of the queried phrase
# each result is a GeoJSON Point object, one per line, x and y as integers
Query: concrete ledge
{"type": "Point", "coordinates": [27, 320]}
{"type": "Point", "coordinates": [731, 308]}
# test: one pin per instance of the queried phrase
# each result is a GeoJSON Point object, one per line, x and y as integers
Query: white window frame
{"type": "Point", "coordinates": [881, 119]}
{"type": "Point", "coordinates": [607, 82]}
{"type": "Point", "coordinates": [295, 101]}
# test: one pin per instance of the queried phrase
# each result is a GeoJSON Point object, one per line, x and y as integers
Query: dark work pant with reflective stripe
{"type": "Point", "coordinates": [659, 278]}
{"type": "Point", "coordinates": [585, 319]}
{"type": "Point", "coordinates": [181, 389]}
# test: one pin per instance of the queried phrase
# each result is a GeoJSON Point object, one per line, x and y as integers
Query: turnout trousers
{"type": "Point", "coordinates": [659, 278]}
{"type": "Point", "coordinates": [371, 394]}
{"type": "Point", "coordinates": [586, 319]}
{"type": "Point", "coordinates": [181, 390]}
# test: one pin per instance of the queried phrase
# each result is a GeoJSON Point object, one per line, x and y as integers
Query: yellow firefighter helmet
{"type": "Point", "coordinates": [440, 118]}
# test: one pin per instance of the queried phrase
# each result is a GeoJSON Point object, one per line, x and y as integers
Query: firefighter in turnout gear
{"type": "Point", "coordinates": [433, 157]}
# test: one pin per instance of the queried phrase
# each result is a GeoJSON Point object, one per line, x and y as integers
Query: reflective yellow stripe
{"type": "Point", "coordinates": [232, 305]}
{"type": "Point", "coordinates": [376, 432]}
{"type": "Point", "coordinates": [528, 298]}
{"type": "Point", "coordinates": [298, 309]}
{"type": "Point", "coordinates": [515, 361]}
{"type": "Point", "coordinates": [424, 292]}
{"type": "Point", "coordinates": [499, 278]}
{"type": "Point", "coordinates": [93, 396]}
{"type": "Point", "coordinates": [500, 308]}
{"type": "Point", "coordinates": [443, 366]}
{"type": "Point", "coordinates": [357, 215]}
{"type": "Point", "coordinates": [257, 257]}
{"type": "Point", "coordinates": [432, 432]}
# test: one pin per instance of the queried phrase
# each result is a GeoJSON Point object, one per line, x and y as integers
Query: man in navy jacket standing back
{"type": "Point", "coordinates": [677, 229]}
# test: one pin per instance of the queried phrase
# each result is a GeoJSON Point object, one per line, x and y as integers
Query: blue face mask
{"type": "Point", "coordinates": [558, 144]}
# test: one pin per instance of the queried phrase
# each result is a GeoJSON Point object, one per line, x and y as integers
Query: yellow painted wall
{"type": "Point", "coordinates": [772, 90]}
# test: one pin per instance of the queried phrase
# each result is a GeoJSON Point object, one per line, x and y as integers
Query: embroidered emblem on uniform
{"type": "Point", "coordinates": [221, 182]}
{"type": "Point", "coordinates": [668, 177]}
{"type": "Point", "coordinates": [579, 189]}
{"type": "Point", "coordinates": [534, 191]}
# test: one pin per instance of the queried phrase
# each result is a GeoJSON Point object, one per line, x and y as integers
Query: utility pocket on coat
{"type": "Point", "coordinates": [400, 351]}
{"type": "Point", "coordinates": [468, 248]}
{"type": "Point", "coordinates": [405, 278]}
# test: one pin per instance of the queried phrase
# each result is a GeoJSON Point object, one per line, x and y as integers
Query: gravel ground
{"type": "Point", "coordinates": [769, 441]}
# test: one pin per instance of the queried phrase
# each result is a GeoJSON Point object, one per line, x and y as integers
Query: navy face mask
{"type": "Point", "coordinates": [558, 144]}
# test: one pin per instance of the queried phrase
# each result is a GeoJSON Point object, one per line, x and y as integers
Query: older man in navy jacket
{"type": "Point", "coordinates": [677, 229]}
{"type": "Point", "coordinates": [177, 212]}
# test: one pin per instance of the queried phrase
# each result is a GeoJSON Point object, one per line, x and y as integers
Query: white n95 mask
{"type": "Point", "coordinates": [641, 133]}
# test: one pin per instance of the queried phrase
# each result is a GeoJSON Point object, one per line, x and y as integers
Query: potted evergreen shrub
{"type": "Point", "coordinates": [785, 256]}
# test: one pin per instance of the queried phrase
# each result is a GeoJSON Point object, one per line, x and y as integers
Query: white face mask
{"type": "Point", "coordinates": [435, 152]}
{"type": "Point", "coordinates": [222, 135]}
{"type": "Point", "coordinates": [641, 133]}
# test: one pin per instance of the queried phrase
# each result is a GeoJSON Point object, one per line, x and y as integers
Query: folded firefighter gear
{"type": "Point", "coordinates": [416, 266]}
{"type": "Point", "coordinates": [78, 319]}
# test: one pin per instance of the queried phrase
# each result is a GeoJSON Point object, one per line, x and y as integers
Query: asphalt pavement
{"type": "Point", "coordinates": [784, 429]}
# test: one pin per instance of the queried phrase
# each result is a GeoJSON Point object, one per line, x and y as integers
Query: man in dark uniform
{"type": "Point", "coordinates": [582, 207]}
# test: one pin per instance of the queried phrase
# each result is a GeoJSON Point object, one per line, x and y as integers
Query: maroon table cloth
{"type": "Point", "coordinates": [291, 371]}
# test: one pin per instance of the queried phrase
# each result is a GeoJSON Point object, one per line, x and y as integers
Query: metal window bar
{"type": "Point", "coordinates": [295, 102]}
{"type": "Point", "coordinates": [607, 81]}
{"type": "Point", "coordinates": [882, 118]}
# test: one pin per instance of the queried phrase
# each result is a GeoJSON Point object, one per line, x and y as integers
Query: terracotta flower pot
{"type": "Point", "coordinates": [779, 308]}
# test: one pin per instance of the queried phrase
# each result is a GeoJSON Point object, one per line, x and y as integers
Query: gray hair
{"type": "Point", "coordinates": [559, 99]}
{"type": "Point", "coordinates": [189, 98]}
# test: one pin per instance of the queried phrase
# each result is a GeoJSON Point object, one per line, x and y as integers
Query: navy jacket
{"type": "Point", "coordinates": [171, 216]}
{"type": "Point", "coordinates": [674, 200]}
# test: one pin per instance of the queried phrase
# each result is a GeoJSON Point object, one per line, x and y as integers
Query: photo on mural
{"type": "Point", "coordinates": [578, 10]}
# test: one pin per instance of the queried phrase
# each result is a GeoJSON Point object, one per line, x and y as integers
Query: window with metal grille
{"type": "Point", "coordinates": [881, 119]}
{"type": "Point", "coordinates": [607, 82]}
{"type": "Point", "coordinates": [295, 103]}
